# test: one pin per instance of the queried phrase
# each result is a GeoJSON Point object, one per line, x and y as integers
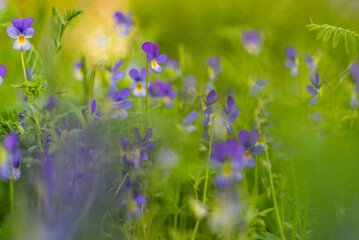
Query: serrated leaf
{"type": "Point", "coordinates": [348, 41]}
{"type": "Point", "coordinates": [327, 35]}
{"type": "Point", "coordinates": [320, 34]}
{"type": "Point", "coordinates": [336, 38]}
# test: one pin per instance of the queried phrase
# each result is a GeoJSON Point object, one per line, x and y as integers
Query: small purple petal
{"type": "Point", "coordinates": [3, 71]}
{"type": "Point", "coordinates": [134, 74]}
{"type": "Point", "coordinates": [125, 104]}
{"type": "Point", "coordinates": [311, 90]}
{"type": "Point", "coordinates": [161, 58]}
{"type": "Point", "coordinates": [191, 117]}
{"type": "Point", "coordinates": [123, 94]}
{"type": "Point", "coordinates": [230, 104]}
{"type": "Point", "coordinates": [13, 32]}
{"type": "Point", "coordinates": [148, 146]}
{"type": "Point", "coordinates": [148, 135]}
{"type": "Point", "coordinates": [148, 48]}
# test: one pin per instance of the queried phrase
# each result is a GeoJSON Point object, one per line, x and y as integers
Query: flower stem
{"type": "Point", "coordinates": [38, 130]}
{"type": "Point", "coordinates": [11, 185]}
{"type": "Point", "coordinates": [256, 182]}
{"type": "Point", "coordinates": [205, 183]}
{"type": "Point", "coordinates": [123, 181]}
{"type": "Point", "coordinates": [273, 192]}
{"type": "Point", "coordinates": [24, 70]}
{"type": "Point", "coordinates": [146, 122]}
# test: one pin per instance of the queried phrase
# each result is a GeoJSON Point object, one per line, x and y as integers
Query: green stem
{"type": "Point", "coordinates": [11, 185]}
{"type": "Point", "coordinates": [256, 182]}
{"type": "Point", "coordinates": [38, 130]}
{"type": "Point", "coordinates": [205, 183]}
{"type": "Point", "coordinates": [195, 230]}
{"type": "Point", "coordinates": [273, 192]}
{"type": "Point", "coordinates": [147, 80]}
{"type": "Point", "coordinates": [177, 195]}
{"type": "Point", "coordinates": [119, 187]}
{"type": "Point", "coordinates": [24, 70]}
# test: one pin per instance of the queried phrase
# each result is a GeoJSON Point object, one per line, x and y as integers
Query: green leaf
{"type": "Point", "coordinates": [320, 34]}
{"type": "Point", "coordinates": [348, 41]}
{"type": "Point", "coordinates": [356, 45]}
{"type": "Point", "coordinates": [327, 35]}
{"type": "Point", "coordinates": [336, 38]}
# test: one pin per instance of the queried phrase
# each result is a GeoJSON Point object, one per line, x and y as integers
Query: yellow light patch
{"type": "Point", "coordinates": [21, 39]}
{"type": "Point", "coordinates": [154, 63]}
{"type": "Point", "coordinates": [260, 141]}
{"type": "Point", "coordinates": [166, 98]}
{"type": "Point", "coordinates": [247, 154]}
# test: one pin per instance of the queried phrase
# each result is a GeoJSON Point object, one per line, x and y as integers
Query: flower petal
{"type": "Point", "coordinates": [124, 142]}
{"type": "Point", "coordinates": [134, 74]}
{"type": "Point", "coordinates": [3, 71]}
{"type": "Point", "coordinates": [143, 74]}
{"type": "Point", "coordinates": [191, 117]}
{"type": "Point", "coordinates": [311, 90]}
{"type": "Point", "coordinates": [28, 32]}
{"type": "Point", "coordinates": [314, 100]}
{"type": "Point", "coordinates": [157, 50]}
{"type": "Point", "coordinates": [157, 68]}
{"type": "Point", "coordinates": [117, 65]}
{"type": "Point", "coordinates": [148, 135]}
{"type": "Point", "coordinates": [125, 104]}
{"type": "Point", "coordinates": [118, 76]}
{"type": "Point", "coordinates": [230, 104]}
{"type": "Point", "coordinates": [161, 58]}
{"type": "Point", "coordinates": [139, 93]}
{"type": "Point", "coordinates": [233, 116]}
{"type": "Point", "coordinates": [123, 94]}
{"type": "Point", "coordinates": [148, 47]}
{"type": "Point", "coordinates": [13, 32]}
{"type": "Point", "coordinates": [148, 146]}
{"type": "Point", "coordinates": [137, 135]}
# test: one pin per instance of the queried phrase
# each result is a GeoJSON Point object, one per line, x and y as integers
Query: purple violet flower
{"type": "Point", "coordinates": [310, 63]}
{"type": "Point", "coordinates": [231, 114]}
{"type": "Point", "coordinates": [120, 105]}
{"type": "Point", "coordinates": [313, 90]}
{"type": "Point", "coordinates": [10, 158]}
{"type": "Point", "coordinates": [214, 67]}
{"type": "Point", "coordinates": [291, 62]}
{"type": "Point", "coordinates": [51, 103]}
{"type": "Point", "coordinates": [92, 111]}
{"type": "Point", "coordinates": [228, 158]}
{"type": "Point", "coordinates": [134, 205]}
{"type": "Point", "coordinates": [21, 31]}
{"type": "Point", "coordinates": [252, 145]}
{"type": "Point", "coordinates": [168, 94]}
{"type": "Point", "coordinates": [152, 50]}
{"type": "Point", "coordinates": [257, 87]}
{"type": "Point", "coordinates": [209, 109]}
{"type": "Point", "coordinates": [116, 74]}
{"type": "Point", "coordinates": [3, 72]}
{"type": "Point", "coordinates": [123, 23]}
{"type": "Point", "coordinates": [139, 82]}
{"type": "Point", "coordinates": [156, 89]}
{"type": "Point", "coordinates": [78, 70]}
{"type": "Point", "coordinates": [136, 153]}
{"type": "Point", "coordinates": [252, 41]}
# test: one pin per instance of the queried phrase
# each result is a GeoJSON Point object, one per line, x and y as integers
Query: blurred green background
{"type": "Point", "coordinates": [326, 155]}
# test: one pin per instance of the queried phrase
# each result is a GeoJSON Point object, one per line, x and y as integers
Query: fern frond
{"type": "Point", "coordinates": [351, 38]}
{"type": "Point", "coordinates": [60, 24]}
